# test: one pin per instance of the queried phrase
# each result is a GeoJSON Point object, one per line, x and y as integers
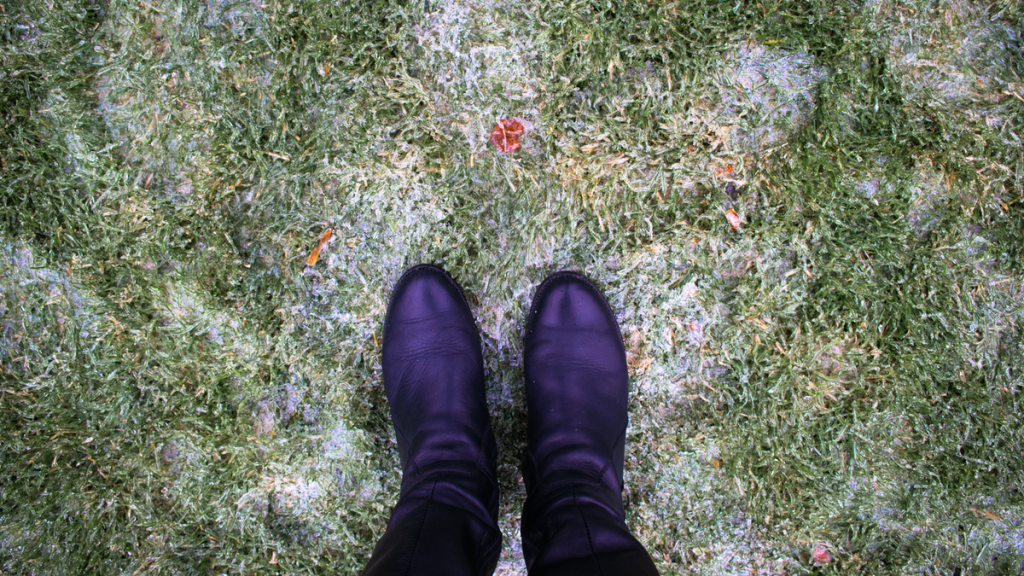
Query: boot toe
{"type": "Point", "coordinates": [571, 327]}
{"type": "Point", "coordinates": [425, 293]}
{"type": "Point", "coordinates": [568, 301]}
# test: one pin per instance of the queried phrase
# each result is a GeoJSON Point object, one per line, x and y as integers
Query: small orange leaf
{"type": "Point", "coordinates": [733, 219]}
{"type": "Point", "coordinates": [315, 254]}
{"type": "Point", "coordinates": [986, 514]}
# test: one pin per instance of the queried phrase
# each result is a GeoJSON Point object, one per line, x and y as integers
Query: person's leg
{"type": "Point", "coordinates": [577, 388]}
{"type": "Point", "coordinates": [445, 521]}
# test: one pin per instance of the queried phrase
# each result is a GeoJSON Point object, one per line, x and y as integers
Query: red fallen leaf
{"type": "Point", "coordinates": [820, 555]}
{"type": "Point", "coordinates": [506, 133]}
{"type": "Point", "coordinates": [315, 254]}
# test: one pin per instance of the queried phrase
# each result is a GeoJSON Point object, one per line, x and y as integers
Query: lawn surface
{"type": "Point", "coordinates": [835, 386]}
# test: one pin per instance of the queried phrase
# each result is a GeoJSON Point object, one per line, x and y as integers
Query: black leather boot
{"type": "Point", "coordinates": [577, 388]}
{"type": "Point", "coordinates": [445, 521]}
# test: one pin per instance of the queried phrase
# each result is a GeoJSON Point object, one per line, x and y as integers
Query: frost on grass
{"type": "Point", "coordinates": [283, 493]}
{"type": "Point", "coordinates": [39, 304]}
{"type": "Point", "coordinates": [1000, 532]}
{"type": "Point", "coordinates": [316, 491]}
{"type": "Point", "coordinates": [997, 303]}
{"type": "Point", "coordinates": [383, 216]}
{"type": "Point", "coordinates": [697, 523]}
{"type": "Point", "coordinates": [674, 306]}
{"type": "Point", "coordinates": [163, 117]}
{"type": "Point", "coordinates": [772, 90]}
{"type": "Point", "coordinates": [960, 61]}
{"type": "Point", "coordinates": [929, 194]}
{"type": "Point", "coordinates": [476, 68]}
{"type": "Point", "coordinates": [234, 15]}
{"type": "Point", "coordinates": [684, 334]}
{"type": "Point", "coordinates": [308, 493]}
{"type": "Point", "coordinates": [186, 308]}
{"type": "Point", "coordinates": [958, 52]}
{"type": "Point", "coordinates": [511, 561]}
{"type": "Point", "coordinates": [759, 97]}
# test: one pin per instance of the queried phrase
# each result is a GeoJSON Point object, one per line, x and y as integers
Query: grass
{"type": "Point", "coordinates": [182, 394]}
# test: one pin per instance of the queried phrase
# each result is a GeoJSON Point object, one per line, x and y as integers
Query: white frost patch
{"type": "Point", "coordinates": [24, 276]}
{"type": "Point", "coordinates": [687, 320]}
{"type": "Point", "coordinates": [700, 500]}
{"type": "Point", "coordinates": [1002, 532]}
{"type": "Point", "coordinates": [957, 57]}
{"type": "Point", "coordinates": [341, 443]}
{"type": "Point", "coordinates": [774, 88]}
{"type": "Point", "coordinates": [296, 494]}
{"type": "Point", "coordinates": [689, 291]}
{"type": "Point", "coordinates": [233, 14]}
{"type": "Point", "coordinates": [869, 187]}
{"type": "Point", "coordinates": [187, 305]}
{"type": "Point", "coordinates": [873, 183]}
{"type": "Point", "coordinates": [928, 195]}
{"type": "Point", "coordinates": [286, 494]}
{"type": "Point", "coordinates": [477, 69]}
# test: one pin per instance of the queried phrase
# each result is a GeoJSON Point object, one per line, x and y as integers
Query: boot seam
{"type": "Point", "coordinates": [493, 550]}
{"type": "Point", "coordinates": [480, 464]}
{"type": "Point", "coordinates": [415, 470]}
{"type": "Point", "coordinates": [400, 437]}
{"type": "Point", "coordinates": [609, 463]}
{"type": "Point", "coordinates": [611, 456]}
{"type": "Point", "coordinates": [419, 531]}
{"type": "Point", "coordinates": [586, 527]}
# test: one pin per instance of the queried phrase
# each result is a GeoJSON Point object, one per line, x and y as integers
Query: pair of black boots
{"type": "Point", "coordinates": [445, 521]}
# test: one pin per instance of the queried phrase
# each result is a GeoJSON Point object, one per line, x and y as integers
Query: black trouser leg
{"type": "Point", "coordinates": [439, 526]}
{"type": "Point", "coordinates": [579, 530]}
